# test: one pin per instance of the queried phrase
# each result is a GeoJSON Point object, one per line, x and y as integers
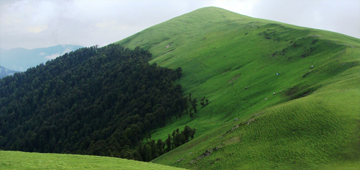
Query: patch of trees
{"type": "Point", "coordinates": [152, 149]}
{"type": "Point", "coordinates": [98, 101]}
{"type": "Point", "coordinates": [192, 103]}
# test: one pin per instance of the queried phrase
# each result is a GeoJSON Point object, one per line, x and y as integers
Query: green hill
{"type": "Point", "coordinates": [294, 90]}
{"type": "Point", "coordinates": [23, 160]}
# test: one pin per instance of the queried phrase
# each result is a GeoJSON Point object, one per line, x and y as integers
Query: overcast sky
{"type": "Point", "coordinates": [39, 23]}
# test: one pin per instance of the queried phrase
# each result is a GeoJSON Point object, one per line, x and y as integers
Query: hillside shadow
{"type": "Point", "coordinates": [298, 91]}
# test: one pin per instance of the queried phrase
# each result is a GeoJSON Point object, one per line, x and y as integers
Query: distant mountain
{"type": "Point", "coordinates": [20, 59]}
{"type": "Point", "coordinates": [6, 72]}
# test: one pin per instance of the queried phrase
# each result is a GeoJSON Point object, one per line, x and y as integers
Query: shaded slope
{"type": "Point", "coordinates": [313, 73]}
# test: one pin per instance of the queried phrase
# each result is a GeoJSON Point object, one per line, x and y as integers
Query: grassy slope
{"type": "Point", "coordinates": [24, 161]}
{"type": "Point", "coordinates": [222, 52]}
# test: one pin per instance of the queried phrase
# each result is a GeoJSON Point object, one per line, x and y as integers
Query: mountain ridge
{"type": "Point", "coordinates": [6, 72]}
{"type": "Point", "coordinates": [21, 59]}
{"type": "Point", "coordinates": [248, 67]}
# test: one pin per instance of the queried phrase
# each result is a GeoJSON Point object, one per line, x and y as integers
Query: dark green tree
{"type": "Point", "coordinates": [101, 101]}
{"type": "Point", "coordinates": [202, 102]}
{"type": "Point", "coordinates": [194, 104]}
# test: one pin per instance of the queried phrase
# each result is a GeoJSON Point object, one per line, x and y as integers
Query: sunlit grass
{"type": "Point", "coordinates": [27, 161]}
{"type": "Point", "coordinates": [310, 123]}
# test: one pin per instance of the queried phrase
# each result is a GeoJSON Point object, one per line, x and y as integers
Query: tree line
{"type": "Point", "coordinates": [97, 101]}
{"type": "Point", "coordinates": [152, 149]}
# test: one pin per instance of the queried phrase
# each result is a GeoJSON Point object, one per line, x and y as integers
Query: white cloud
{"type": "Point", "coordinates": [244, 7]}
{"type": "Point", "coordinates": [37, 29]}
{"type": "Point", "coordinates": [333, 15]}
{"type": "Point", "coordinates": [40, 23]}
{"type": "Point", "coordinates": [52, 56]}
{"type": "Point", "coordinates": [106, 24]}
{"type": "Point", "coordinates": [14, 67]}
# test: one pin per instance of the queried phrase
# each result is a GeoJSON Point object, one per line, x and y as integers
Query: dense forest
{"type": "Point", "coordinates": [98, 101]}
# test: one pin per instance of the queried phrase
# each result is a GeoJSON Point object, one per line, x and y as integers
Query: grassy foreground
{"type": "Point", "coordinates": [26, 161]}
{"type": "Point", "coordinates": [300, 109]}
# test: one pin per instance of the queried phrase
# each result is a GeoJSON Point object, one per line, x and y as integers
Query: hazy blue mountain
{"type": "Point", "coordinates": [6, 72]}
{"type": "Point", "coordinates": [20, 59]}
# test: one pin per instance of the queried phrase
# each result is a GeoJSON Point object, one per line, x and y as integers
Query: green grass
{"type": "Point", "coordinates": [26, 161]}
{"type": "Point", "coordinates": [312, 124]}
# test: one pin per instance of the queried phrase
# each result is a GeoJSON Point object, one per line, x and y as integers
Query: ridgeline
{"type": "Point", "coordinates": [280, 96]}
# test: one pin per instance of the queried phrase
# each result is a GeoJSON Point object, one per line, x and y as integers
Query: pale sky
{"type": "Point", "coordinates": [43, 23]}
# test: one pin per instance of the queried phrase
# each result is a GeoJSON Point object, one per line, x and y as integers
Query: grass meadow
{"type": "Point", "coordinates": [27, 161]}
{"type": "Point", "coordinates": [302, 100]}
